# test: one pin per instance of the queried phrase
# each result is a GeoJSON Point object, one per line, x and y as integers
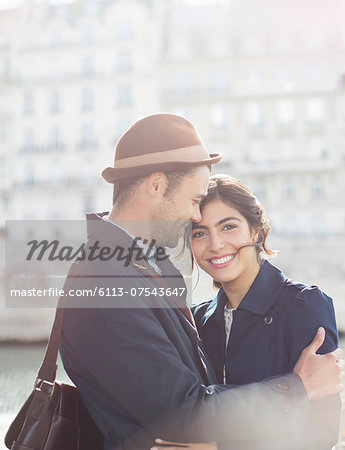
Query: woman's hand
{"type": "Point", "coordinates": [178, 445]}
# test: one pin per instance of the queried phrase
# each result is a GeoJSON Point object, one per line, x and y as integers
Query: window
{"type": "Point", "coordinates": [317, 147]}
{"type": "Point", "coordinates": [260, 190]}
{"type": "Point", "coordinates": [29, 177]}
{"type": "Point", "coordinates": [255, 114]}
{"type": "Point", "coordinates": [285, 78]}
{"type": "Point", "coordinates": [286, 149]}
{"type": "Point", "coordinates": [125, 29]}
{"type": "Point", "coordinates": [28, 109]}
{"type": "Point", "coordinates": [315, 110]}
{"type": "Point", "coordinates": [179, 47]}
{"type": "Point", "coordinates": [219, 116]}
{"type": "Point", "coordinates": [285, 112]}
{"type": "Point", "coordinates": [86, 100]}
{"type": "Point", "coordinates": [318, 189]}
{"type": "Point", "coordinates": [88, 36]}
{"type": "Point", "coordinates": [123, 61]}
{"type": "Point", "coordinates": [315, 41]}
{"type": "Point", "coordinates": [319, 224]}
{"type": "Point", "coordinates": [124, 95]}
{"type": "Point", "coordinates": [5, 200]}
{"type": "Point", "coordinates": [179, 84]}
{"type": "Point", "coordinates": [54, 102]}
{"type": "Point", "coordinates": [29, 140]}
{"type": "Point", "coordinates": [88, 68]}
{"type": "Point", "coordinates": [2, 167]}
{"type": "Point", "coordinates": [122, 127]}
{"type": "Point", "coordinates": [257, 150]}
{"type": "Point", "coordinates": [220, 82]}
{"type": "Point", "coordinates": [254, 43]}
{"type": "Point", "coordinates": [3, 134]}
{"type": "Point", "coordinates": [55, 141]}
{"type": "Point", "coordinates": [86, 136]}
{"type": "Point", "coordinates": [57, 38]}
{"type": "Point", "coordinates": [315, 73]}
{"type": "Point", "coordinates": [198, 43]}
{"type": "Point", "coordinates": [283, 41]}
{"type": "Point", "coordinates": [288, 190]}
{"type": "Point", "coordinates": [289, 225]}
{"type": "Point", "coordinates": [88, 202]}
{"type": "Point", "coordinates": [255, 78]}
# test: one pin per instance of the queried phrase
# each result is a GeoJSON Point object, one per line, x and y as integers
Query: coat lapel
{"type": "Point", "coordinates": [179, 306]}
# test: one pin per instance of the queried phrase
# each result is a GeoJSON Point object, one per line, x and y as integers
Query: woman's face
{"type": "Point", "coordinates": [216, 240]}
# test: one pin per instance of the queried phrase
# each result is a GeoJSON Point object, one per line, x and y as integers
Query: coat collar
{"type": "Point", "coordinates": [261, 296]}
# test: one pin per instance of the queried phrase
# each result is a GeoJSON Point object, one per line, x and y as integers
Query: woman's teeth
{"type": "Point", "coordinates": [222, 260]}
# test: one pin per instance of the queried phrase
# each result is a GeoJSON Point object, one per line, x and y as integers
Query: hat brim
{"type": "Point", "coordinates": [112, 174]}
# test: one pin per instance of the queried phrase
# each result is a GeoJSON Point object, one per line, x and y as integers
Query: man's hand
{"type": "Point", "coordinates": [161, 445]}
{"type": "Point", "coordinates": [321, 374]}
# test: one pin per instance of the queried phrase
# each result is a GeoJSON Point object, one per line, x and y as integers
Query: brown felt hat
{"type": "Point", "coordinates": [160, 142]}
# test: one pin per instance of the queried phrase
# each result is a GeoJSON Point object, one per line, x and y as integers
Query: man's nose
{"type": "Point", "coordinates": [196, 217]}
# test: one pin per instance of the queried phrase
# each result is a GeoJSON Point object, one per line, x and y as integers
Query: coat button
{"type": "Point", "coordinates": [282, 387]}
{"type": "Point", "coordinates": [268, 319]}
{"type": "Point", "coordinates": [209, 391]}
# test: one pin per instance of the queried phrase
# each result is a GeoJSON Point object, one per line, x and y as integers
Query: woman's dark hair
{"type": "Point", "coordinates": [237, 195]}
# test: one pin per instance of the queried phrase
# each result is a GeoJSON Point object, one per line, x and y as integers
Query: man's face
{"type": "Point", "coordinates": [175, 211]}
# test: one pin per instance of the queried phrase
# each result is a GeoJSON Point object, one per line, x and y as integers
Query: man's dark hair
{"type": "Point", "coordinates": [123, 189]}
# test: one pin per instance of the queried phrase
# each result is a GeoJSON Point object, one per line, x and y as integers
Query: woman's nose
{"type": "Point", "coordinates": [216, 242]}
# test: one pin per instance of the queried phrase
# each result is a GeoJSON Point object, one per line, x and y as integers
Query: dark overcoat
{"type": "Point", "coordinates": [274, 322]}
{"type": "Point", "coordinates": [141, 369]}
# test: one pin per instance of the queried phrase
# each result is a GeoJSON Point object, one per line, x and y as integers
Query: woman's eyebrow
{"type": "Point", "coordinates": [226, 219]}
{"type": "Point", "coordinates": [204, 227]}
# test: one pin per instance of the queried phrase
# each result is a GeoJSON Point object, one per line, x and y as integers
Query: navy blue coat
{"type": "Point", "coordinates": [140, 367]}
{"type": "Point", "coordinates": [276, 319]}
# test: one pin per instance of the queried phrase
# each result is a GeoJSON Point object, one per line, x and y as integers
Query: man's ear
{"type": "Point", "coordinates": [157, 184]}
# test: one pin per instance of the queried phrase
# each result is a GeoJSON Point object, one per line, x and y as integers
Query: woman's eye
{"type": "Point", "coordinates": [197, 235]}
{"type": "Point", "coordinates": [229, 226]}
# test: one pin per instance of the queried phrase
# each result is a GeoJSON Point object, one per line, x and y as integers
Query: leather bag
{"type": "Point", "coordinates": [54, 416]}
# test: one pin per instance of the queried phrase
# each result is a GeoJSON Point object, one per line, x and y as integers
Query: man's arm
{"type": "Point", "coordinates": [321, 374]}
{"type": "Point", "coordinates": [129, 360]}
{"type": "Point", "coordinates": [310, 366]}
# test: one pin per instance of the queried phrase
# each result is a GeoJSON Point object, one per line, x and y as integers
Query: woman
{"type": "Point", "coordinates": [260, 321]}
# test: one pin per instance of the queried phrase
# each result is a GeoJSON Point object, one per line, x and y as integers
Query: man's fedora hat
{"type": "Point", "coordinates": [158, 143]}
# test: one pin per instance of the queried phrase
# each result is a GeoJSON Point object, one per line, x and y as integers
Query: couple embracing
{"type": "Point", "coordinates": [257, 367]}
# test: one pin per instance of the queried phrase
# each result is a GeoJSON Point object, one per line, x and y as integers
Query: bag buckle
{"type": "Point", "coordinates": [45, 386]}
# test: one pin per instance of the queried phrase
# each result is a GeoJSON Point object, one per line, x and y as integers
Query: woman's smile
{"type": "Point", "coordinates": [219, 262]}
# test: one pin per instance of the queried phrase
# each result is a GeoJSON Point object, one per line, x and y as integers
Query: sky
{"type": "Point", "coordinates": [4, 4]}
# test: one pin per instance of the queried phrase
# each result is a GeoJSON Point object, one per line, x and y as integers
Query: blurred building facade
{"type": "Point", "coordinates": [263, 81]}
{"type": "Point", "coordinates": [267, 90]}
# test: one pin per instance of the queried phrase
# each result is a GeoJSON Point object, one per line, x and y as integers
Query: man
{"type": "Point", "coordinates": [132, 349]}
